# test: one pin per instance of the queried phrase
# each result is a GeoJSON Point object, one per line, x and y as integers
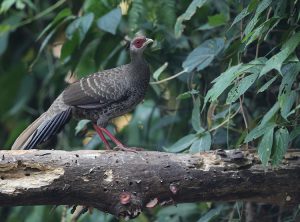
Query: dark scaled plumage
{"type": "Point", "coordinates": [99, 97]}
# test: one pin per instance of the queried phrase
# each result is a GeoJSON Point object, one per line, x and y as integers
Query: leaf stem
{"type": "Point", "coordinates": [169, 78]}
{"type": "Point", "coordinates": [43, 13]}
{"type": "Point", "coordinates": [225, 121]}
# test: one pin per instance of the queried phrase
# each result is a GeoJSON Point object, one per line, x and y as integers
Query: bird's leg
{"type": "Point", "coordinates": [100, 133]}
{"type": "Point", "coordinates": [120, 146]}
{"type": "Point", "coordinates": [114, 139]}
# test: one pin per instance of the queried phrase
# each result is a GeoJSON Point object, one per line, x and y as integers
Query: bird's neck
{"type": "Point", "coordinates": [137, 57]}
{"type": "Point", "coordinates": [139, 69]}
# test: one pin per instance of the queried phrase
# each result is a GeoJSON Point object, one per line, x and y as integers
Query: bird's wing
{"type": "Point", "coordinates": [97, 90]}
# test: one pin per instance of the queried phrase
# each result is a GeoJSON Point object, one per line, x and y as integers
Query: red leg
{"type": "Point", "coordinates": [99, 131]}
{"type": "Point", "coordinates": [114, 139]}
{"type": "Point", "coordinates": [117, 142]}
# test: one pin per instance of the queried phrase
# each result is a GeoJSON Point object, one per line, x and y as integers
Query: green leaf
{"type": "Point", "coordinates": [286, 96]}
{"type": "Point", "coordinates": [3, 42]}
{"type": "Point", "coordinates": [59, 17]}
{"type": "Point", "coordinates": [30, 4]}
{"type": "Point", "coordinates": [289, 75]}
{"type": "Point", "coordinates": [265, 146]}
{"type": "Point", "coordinates": [217, 20]}
{"type": "Point", "coordinates": [203, 143]}
{"type": "Point", "coordinates": [203, 55]}
{"type": "Point", "coordinates": [157, 72]}
{"type": "Point", "coordinates": [240, 16]}
{"type": "Point", "coordinates": [281, 144]}
{"type": "Point", "coordinates": [6, 26]}
{"type": "Point", "coordinates": [263, 6]}
{"type": "Point", "coordinates": [164, 122]}
{"type": "Point", "coordinates": [6, 5]}
{"type": "Point", "coordinates": [191, 10]}
{"type": "Point", "coordinates": [136, 14]}
{"type": "Point", "coordinates": [267, 85]}
{"type": "Point", "coordinates": [24, 94]}
{"type": "Point", "coordinates": [293, 111]}
{"type": "Point", "coordinates": [260, 8]}
{"type": "Point", "coordinates": [181, 212]}
{"type": "Point", "coordinates": [9, 85]}
{"type": "Point", "coordinates": [211, 215]}
{"type": "Point", "coordinates": [47, 39]}
{"type": "Point", "coordinates": [222, 82]}
{"type": "Point", "coordinates": [182, 144]}
{"type": "Point", "coordinates": [276, 61]}
{"type": "Point", "coordinates": [20, 5]}
{"type": "Point", "coordinates": [295, 133]}
{"type": "Point", "coordinates": [110, 21]}
{"type": "Point", "coordinates": [246, 11]}
{"type": "Point", "coordinates": [187, 94]}
{"type": "Point", "coordinates": [80, 25]}
{"type": "Point", "coordinates": [69, 46]}
{"type": "Point", "coordinates": [81, 125]}
{"type": "Point", "coordinates": [256, 65]}
{"type": "Point", "coordinates": [168, 15]}
{"type": "Point", "coordinates": [259, 131]}
{"type": "Point", "coordinates": [196, 121]}
{"type": "Point", "coordinates": [260, 30]}
{"type": "Point", "coordinates": [269, 115]}
{"type": "Point", "coordinates": [286, 102]}
{"type": "Point", "coordinates": [16, 131]}
{"type": "Point", "coordinates": [86, 63]}
{"type": "Point", "coordinates": [240, 88]}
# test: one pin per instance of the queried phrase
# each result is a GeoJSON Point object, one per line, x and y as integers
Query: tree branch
{"type": "Point", "coordinates": [124, 183]}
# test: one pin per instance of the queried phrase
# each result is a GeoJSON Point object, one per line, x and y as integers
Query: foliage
{"type": "Point", "coordinates": [226, 74]}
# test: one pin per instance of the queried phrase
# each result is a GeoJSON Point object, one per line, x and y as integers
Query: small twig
{"type": "Point", "coordinates": [241, 24]}
{"type": "Point", "coordinates": [169, 78]}
{"type": "Point", "coordinates": [227, 130]}
{"type": "Point", "coordinates": [210, 113]}
{"type": "Point", "coordinates": [257, 47]}
{"type": "Point", "coordinates": [78, 212]}
{"type": "Point", "coordinates": [41, 14]}
{"type": "Point", "coordinates": [259, 38]}
{"type": "Point", "coordinates": [64, 214]}
{"type": "Point", "coordinates": [243, 113]}
{"type": "Point", "coordinates": [189, 83]}
{"type": "Point", "coordinates": [249, 214]}
{"type": "Point", "coordinates": [225, 121]}
{"type": "Point", "coordinates": [244, 116]}
{"type": "Point", "coordinates": [279, 214]}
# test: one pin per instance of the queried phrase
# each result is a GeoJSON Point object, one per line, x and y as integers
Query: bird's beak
{"type": "Point", "coordinates": [148, 41]}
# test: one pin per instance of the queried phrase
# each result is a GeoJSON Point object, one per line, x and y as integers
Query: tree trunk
{"type": "Point", "coordinates": [123, 183]}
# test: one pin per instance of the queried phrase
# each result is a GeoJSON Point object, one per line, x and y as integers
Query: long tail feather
{"type": "Point", "coordinates": [23, 137]}
{"type": "Point", "coordinates": [47, 129]}
{"type": "Point", "coordinates": [47, 125]}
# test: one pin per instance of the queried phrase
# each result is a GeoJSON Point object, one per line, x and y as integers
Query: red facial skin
{"type": "Point", "coordinates": [138, 43]}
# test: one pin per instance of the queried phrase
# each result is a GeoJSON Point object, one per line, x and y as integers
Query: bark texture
{"type": "Point", "coordinates": [124, 183]}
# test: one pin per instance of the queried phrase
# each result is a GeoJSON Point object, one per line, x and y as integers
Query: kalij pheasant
{"type": "Point", "coordinates": [99, 97]}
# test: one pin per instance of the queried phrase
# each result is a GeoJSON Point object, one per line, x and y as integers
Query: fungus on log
{"type": "Point", "coordinates": [124, 183]}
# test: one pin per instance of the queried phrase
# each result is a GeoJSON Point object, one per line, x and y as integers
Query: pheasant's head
{"type": "Point", "coordinates": [139, 43]}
